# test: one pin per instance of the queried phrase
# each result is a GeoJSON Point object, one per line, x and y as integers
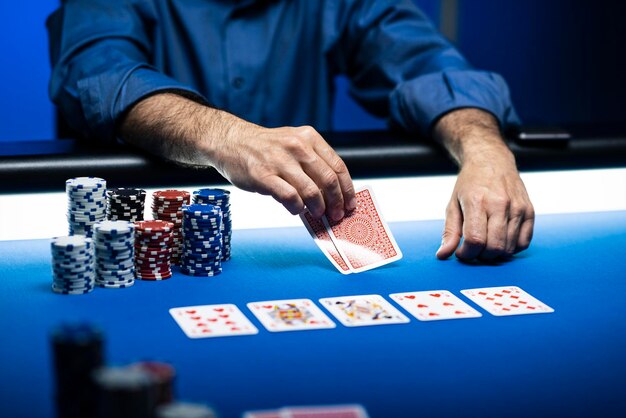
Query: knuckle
{"type": "Point", "coordinates": [293, 143]}
{"type": "Point", "coordinates": [338, 165]}
{"type": "Point", "coordinates": [310, 193]}
{"type": "Point", "coordinates": [475, 240]}
{"type": "Point", "coordinates": [329, 180]}
{"type": "Point", "coordinates": [500, 201]}
{"type": "Point", "coordinates": [517, 211]}
{"type": "Point", "coordinates": [497, 247]}
{"type": "Point", "coordinates": [307, 131]}
{"type": "Point", "coordinates": [289, 197]}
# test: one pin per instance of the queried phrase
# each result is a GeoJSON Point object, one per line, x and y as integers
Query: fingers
{"type": "Point", "coordinates": [282, 192]}
{"type": "Point", "coordinates": [526, 231]}
{"type": "Point", "coordinates": [474, 231]}
{"type": "Point", "coordinates": [451, 231]}
{"type": "Point", "coordinates": [496, 229]}
{"type": "Point", "coordinates": [326, 169]}
{"type": "Point", "coordinates": [339, 167]}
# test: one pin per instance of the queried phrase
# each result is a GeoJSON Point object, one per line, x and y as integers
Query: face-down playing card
{"type": "Point", "coordinates": [320, 235]}
{"type": "Point", "coordinates": [434, 305]}
{"type": "Point", "coordinates": [363, 310]}
{"type": "Point", "coordinates": [212, 321]}
{"type": "Point", "coordinates": [362, 237]}
{"type": "Point", "coordinates": [506, 300]}
{"type": "Point", "coordinates": [290, 315]}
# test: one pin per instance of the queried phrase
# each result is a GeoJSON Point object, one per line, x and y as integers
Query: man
{"type": "Point", "coordinates": [235, 84]}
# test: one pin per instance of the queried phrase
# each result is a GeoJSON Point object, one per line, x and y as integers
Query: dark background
{"type": "Point", "coordinates": [562, 59]}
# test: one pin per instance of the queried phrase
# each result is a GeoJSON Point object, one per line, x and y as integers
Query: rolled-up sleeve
{"type": "Point", "coordinates": [99, 52]}
{"type": "Point", "coordinates": [401, 68]}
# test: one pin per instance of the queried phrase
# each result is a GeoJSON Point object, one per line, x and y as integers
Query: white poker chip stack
{"type": "Point", "coordinates": [73, 270]}
{"type": "Point", "coordinates": [115, 255]}
{"type": "Point", "coordinates": [87, 202]}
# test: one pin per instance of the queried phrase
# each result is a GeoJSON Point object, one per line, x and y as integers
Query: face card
{"type": "Point", "coordinates": [332, 411]}
{"type": "Point", "coordinates": [321, 237]}
{"type": "Point", "coordinates": [212, 321]}
{"type": "Point", "coordinates": [363, 310]}
{"type": "Point", "coordinates": [362, 236]}
{"type": "Point", "coordinates": [290, 315]}
{"type": "Point", "coordinates": [434, 305]}
{"type": "Point", "coordinates": [506, 300]}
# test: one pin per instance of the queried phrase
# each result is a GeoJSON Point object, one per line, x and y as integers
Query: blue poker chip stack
{"type": "Point", "coordinates": [86, 204]}
{"type": "Point", "coordinates": [115, 255]}
{"type": "Point", "coordinates": [73, 270]}
{"type": "Point", "coordinates": [221, 198]}
{"type": "Point", "coordinates": [202, 240]}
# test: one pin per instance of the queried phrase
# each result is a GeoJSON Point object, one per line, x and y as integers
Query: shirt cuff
{"type": "Point", "coordinates": [417, 104]}
{"type": "Point", "coordinates": [104, 104]}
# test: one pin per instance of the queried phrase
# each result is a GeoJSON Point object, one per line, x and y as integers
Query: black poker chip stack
{"type": "Point", "coordinates": [125, 204]}
{"type": "Point", "coordinates": [125, 392]}
{"type": "Point", "coordinates": [77, 353]}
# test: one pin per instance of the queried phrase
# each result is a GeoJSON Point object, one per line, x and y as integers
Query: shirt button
{"type": "Point", "coordinates": [238, 82]}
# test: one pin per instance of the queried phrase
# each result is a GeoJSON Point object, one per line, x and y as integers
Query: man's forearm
{"type": "Point", "coordinates": [472, 136]}
{"type": "Point", "coordinates": [176, 128]}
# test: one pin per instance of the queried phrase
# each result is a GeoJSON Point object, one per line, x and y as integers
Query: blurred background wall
{"type": "Point", "coordinates": [563, 60]}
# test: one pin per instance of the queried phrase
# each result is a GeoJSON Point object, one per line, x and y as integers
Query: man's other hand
{"type": "Point", "coordinates": [489, 209]}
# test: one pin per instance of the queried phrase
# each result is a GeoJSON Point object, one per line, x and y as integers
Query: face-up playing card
{"type": "Point", "coordinates": [290, 315]}
{"type": "Point", "coordinates": [321, 237]}
{"type": "Point", "coordinates": [362, 236]}
{"type": "Point", "coordinates": [331, 411]}
{"type": "Point", "coordinates": [506, 300]}
{"type": "Point", "coordinates": [434, 305]}
{"type": "Point", "coordinates": [363, 310]}
{"type": "Point", "coordinates": [212, 321]}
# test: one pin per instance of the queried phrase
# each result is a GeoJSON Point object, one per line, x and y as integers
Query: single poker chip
{"type": "Point", "coordinates": [116, 286]}
{"type": "Point", "coordinates": [63, 291]}
{"type": "Point", "coordinates": [155, 225]}
{"type": "Point", "coordinates": [190, 272]}
{"type": "Point", "coordinates": [171, 195]}
{"type": "Point", "coordinates": [152, 276]}
{"type": "Point", "coordinates": [201, 209]}
{"type": "Point", "coordinates": [212, 194]}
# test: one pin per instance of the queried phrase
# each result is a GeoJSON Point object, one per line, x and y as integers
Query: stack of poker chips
{"type": "Point", "coordinates": [86, 204]}
{"type": "Point", "coordinates": [202, 240]}
{"type": "Point", "coordinates": [77, 352]}
{"type": "Point", "coordinates": [72, 265]}
{"type": "Point", "coordinates": [115, 262]}
{"type": "Point", "coordinates": [125, 204]}
{"type": "Point", "coordinates": [125, 392]}
{"type": "Point", "coordinates": [185, 410]}
{"type": "Point", "coordinates": [163, 375]}
{"type": "Point", "coordinates": [152, 249]}
{"type": "Point", "coordinates": [221, 198]}
{"type": "Point", "coordinates": [166, 206]}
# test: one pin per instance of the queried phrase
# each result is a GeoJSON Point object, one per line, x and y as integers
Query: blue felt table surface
{"type": "Point", "coordinates": [568, 363]}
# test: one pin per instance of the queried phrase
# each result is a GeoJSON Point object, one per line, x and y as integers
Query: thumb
{"type": "Point", "coordinates": [452, 231]}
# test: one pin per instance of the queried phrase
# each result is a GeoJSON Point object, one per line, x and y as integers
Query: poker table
{"type": "Point", "coordinates": [568, 363]}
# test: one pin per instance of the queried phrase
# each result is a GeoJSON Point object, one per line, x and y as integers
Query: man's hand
{"type": "Point", "coordinates": [292, 164]}
{"type": "Point", "coordinates": [490, 208]}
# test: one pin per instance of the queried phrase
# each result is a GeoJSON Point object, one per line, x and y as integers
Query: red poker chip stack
{"type": "Point", "coordinates": [153, 240]}
{"type": "Point", "coordinates": [166, 206]}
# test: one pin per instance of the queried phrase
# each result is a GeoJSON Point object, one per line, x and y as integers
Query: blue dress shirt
{"type": "Point", "coordinates": [271, 62]}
